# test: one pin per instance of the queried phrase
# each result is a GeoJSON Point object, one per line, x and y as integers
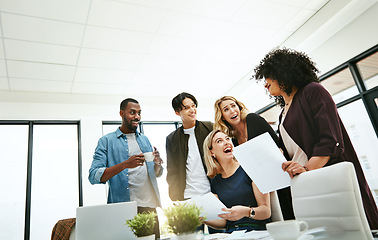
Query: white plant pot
{"type": "Point", "coordinates": [185, 236]}
{"type": "Point", "coordinates": [151, 237]}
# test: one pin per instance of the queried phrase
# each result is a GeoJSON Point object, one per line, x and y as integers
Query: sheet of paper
{"type": "Point", "coordinates": [262, 161]}
{"type": "Point", "coordinates": [256, 235]}
{"type": "Point", "coordinates": [210, 204]}
{"type": "Point", "coordinates": [236, 234]}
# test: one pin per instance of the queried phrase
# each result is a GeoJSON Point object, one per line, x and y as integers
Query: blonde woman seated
{"type": "Point", "coordinates": [248, 209]}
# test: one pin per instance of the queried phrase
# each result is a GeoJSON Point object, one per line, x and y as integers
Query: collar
{"type": "Point", "coordinates": [196, 125]}
{"type": "Point", "coordinates": [120, 134]}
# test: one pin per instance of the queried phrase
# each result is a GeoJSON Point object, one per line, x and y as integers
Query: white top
{"type": "Point", "coordinates": [141, 189]}
{"type": "Point", "coordinates": [196, 180]}
{"type": "Point", "coordinates": [296, 154]}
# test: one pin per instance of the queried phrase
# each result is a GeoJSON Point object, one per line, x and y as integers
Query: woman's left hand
{"type": "Point", "coordinates": [293, 168]}
{"type": "Point", "coordinates": [235, 213]}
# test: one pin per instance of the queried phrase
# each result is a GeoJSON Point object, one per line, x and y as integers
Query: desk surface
{"type": "Point", "coordinates": [311, 235]}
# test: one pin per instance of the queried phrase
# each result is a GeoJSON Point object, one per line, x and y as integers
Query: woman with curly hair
{"type": "Point", "coordinates": [311, 132]}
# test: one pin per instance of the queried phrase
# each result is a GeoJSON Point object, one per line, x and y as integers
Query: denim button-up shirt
{"type": "Point", "coordinates": [111, 150]}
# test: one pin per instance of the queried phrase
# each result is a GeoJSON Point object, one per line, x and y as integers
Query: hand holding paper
{"type": "Point", "coordinates": [210, 204]}
{"type": "Point", "coordinates": [261, 159]}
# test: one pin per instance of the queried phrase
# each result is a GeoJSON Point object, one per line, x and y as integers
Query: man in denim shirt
{"type": "Point", "coordinates": [119, 160]}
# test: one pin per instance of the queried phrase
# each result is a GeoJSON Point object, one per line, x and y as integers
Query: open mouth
{"type": "Point", "coordinates": [233, 117]}
{"type": "Point", "coordinates": [228, 150]}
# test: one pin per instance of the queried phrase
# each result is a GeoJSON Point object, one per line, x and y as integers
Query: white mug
{"type": "Point", "coordinates": [149, 156]}
{"type": "Point", "coordinates": [286, 230]}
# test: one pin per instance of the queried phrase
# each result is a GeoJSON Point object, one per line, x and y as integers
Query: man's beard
{"type": "Point", "coordinates": [129, 124]}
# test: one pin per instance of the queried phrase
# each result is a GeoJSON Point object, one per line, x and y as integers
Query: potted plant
{"type": "Point", "coordinates": [183, 219]}
{"type": "Point", "coordinates": [143, 225]}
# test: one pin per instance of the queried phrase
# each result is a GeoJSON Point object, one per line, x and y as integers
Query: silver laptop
{"type": "Point", "coordinates": [105, 222]}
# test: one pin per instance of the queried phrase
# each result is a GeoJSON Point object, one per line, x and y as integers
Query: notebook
{"type": "Point", "coordinates": [105, 222]}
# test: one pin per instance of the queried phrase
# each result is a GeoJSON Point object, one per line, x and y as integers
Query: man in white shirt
{"type": "Point", "coordinates": [186, 167]}
{"type": "Point", "coordinates": [119, 161]}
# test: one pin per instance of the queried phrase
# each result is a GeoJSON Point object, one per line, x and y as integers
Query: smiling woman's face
{"type": "Point", "coordinates": [221, 146]}
{"type": "Point", "coordinates": [273, 87]}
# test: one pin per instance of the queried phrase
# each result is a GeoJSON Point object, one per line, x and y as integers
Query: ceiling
{"type": "Point", "coordinates": [141, 48]}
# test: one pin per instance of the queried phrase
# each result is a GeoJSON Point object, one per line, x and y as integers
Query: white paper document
{"type": "Point", "coordinates": [252, 235]}
{"type": "Point", "coordinates": [210, 204]}
{"type": "Point", "coordinates": [262, 160]}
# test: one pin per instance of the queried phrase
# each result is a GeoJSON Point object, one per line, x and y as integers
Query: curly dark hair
{"type": "Point", "coordinates": [289, 68]}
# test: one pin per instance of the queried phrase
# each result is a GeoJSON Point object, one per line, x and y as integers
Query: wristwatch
{"type": "Point", "coordinates": [252, 213]}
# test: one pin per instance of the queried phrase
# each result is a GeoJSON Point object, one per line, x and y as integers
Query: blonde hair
{"type": "Point", "coordinates": [223, 125]}
{"type": "Point", "coordinates": [212, 164]}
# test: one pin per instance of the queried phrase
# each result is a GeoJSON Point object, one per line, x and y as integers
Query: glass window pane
{"type": "Point", "coordinates": [108, 128]}
{"type": "Point", "coordinates": [369, 70]}
{"type": "Point", "coordinates": [54, 177]}
{"type": "Point", "coordinates": [341, 85]}
{"type": "Point", "coordinates": [157, 133]}
{"type": "Point", "coordinates": [364, 139]}
{"type": "Point", "coordinates": [13, 159]}
{"type": "Point", "coordinates": [271, 116]}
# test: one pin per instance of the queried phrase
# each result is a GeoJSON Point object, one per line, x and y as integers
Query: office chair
{"type": "Point", "coordinates": [330, 197]}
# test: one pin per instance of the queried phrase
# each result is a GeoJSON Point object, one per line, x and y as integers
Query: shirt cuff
{"type": "Point", "coordinates": [99, 173]}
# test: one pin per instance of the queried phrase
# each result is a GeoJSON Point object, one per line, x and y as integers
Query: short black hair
{"type": "Point", "coordinates": [177, 101]}
{"type": "Point", "coordinates": [124, 103]}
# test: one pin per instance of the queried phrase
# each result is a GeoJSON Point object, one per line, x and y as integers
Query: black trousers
{"type": "Point", "coordinates": [284, 196]}
{"type": "Point", "coordinates": [146, 210]}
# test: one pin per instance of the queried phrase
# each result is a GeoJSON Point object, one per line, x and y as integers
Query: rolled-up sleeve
{"type": "Point", "coordinates": [160, 173]}
{"type": "Point", "coordinates": [99, 163]}
{"type": "Point", "coordinates": [329, 141]}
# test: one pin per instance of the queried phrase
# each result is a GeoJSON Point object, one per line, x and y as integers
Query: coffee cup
{"type": "Point", "coordinates": [286, 230]}
{"type": "Point", "coordinates": [148, 156]}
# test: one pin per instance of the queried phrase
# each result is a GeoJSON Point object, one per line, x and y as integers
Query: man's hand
{"type": "Point", "coordinates": [135, 161]}
{"type": "Point", "coordinates": [157, 159]}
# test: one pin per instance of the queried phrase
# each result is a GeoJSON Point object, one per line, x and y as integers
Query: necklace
{"type": "Point", "coordinates": [287, 106]}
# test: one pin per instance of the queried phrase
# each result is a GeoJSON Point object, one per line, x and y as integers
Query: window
{"type": "Point", "coordinates": [54, 192]}
{"type": "Point", "coordinates": [271, 116]}
{"type": "Point", "coordinates": [341, 85]}
{"type": "Point", "coordinates": [40, 180]}
{"type": "Point", "coordinates": [13, 159]}
{"type": "Point", "coordinates": [369, 70]}
{"type": "Point", "coordinates": [157, 133]}
{"type": "Point", "coordinates": [364, 140]}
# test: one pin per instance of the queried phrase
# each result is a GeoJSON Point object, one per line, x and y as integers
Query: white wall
{"type": "Point", "coordinates": [357, 37]}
